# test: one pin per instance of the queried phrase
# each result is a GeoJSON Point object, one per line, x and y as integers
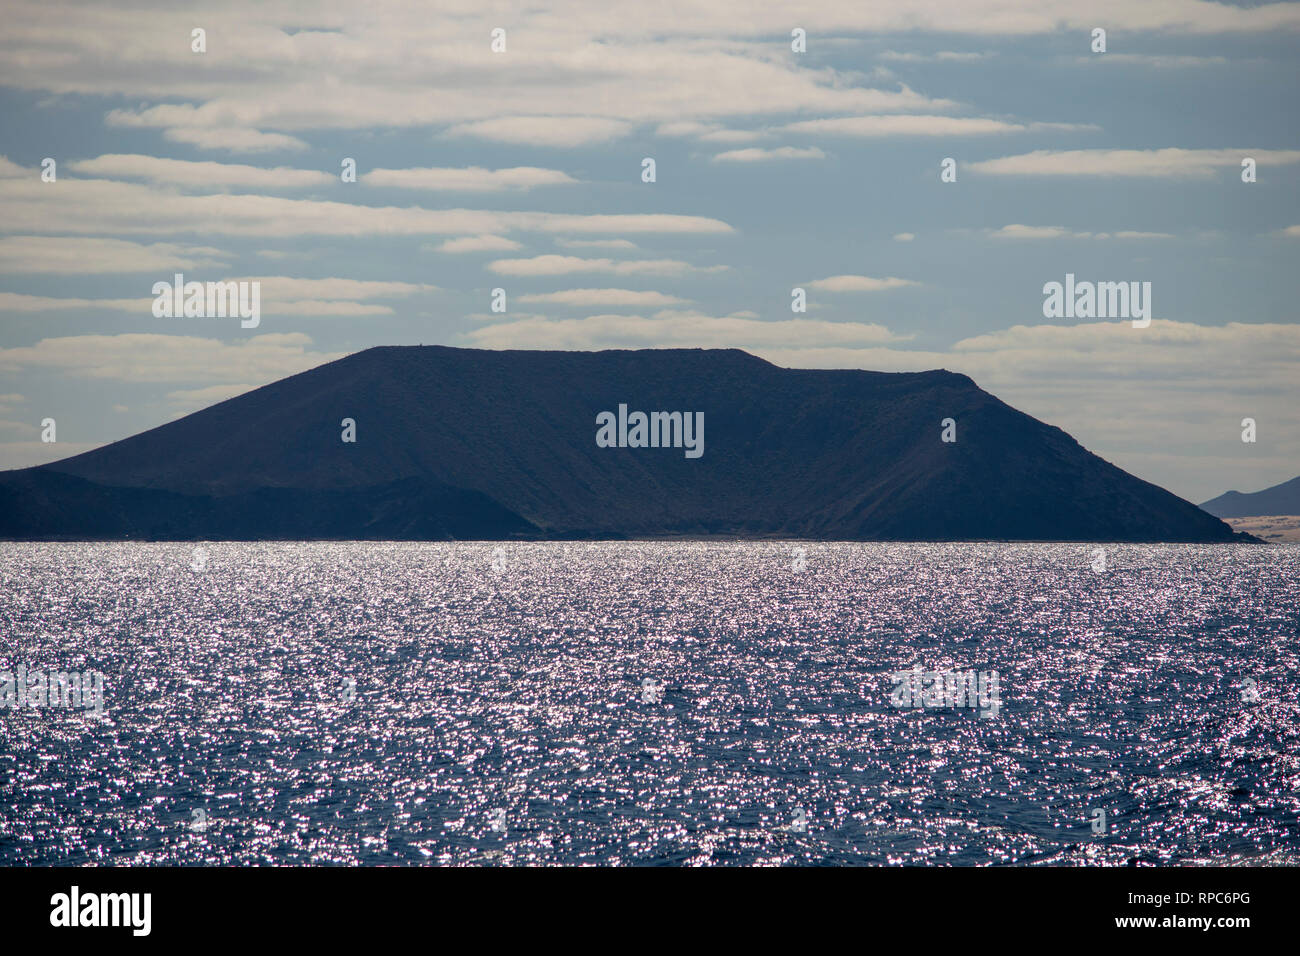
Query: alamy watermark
{"type": "Point", "coordinates": [656, 430]}
{"type": "Point", "coordinates": [209, 300]}
{"type": "Point", "coordinates": [72, 690]}
{"type": "Point", "coordinates": [74, 908]}
{"type": "Point", "coordinates": [1098, 300]}
{"type": "Point", "coordinates": [939, 690]}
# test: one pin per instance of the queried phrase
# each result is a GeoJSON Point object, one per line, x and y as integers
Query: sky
{"type": "Point", "coordinates": [522, 168]}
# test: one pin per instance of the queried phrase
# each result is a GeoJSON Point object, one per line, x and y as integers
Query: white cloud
{"type": "Point", "coordinates": [904, 236]}
{"type": "Point", "coordinates": [468, 179]}
{"type": "Point", "coordinates": [708, 132]}
{"type": "Point", "coordinates": [167, 359]}
{"type": "Point", "coordinates": [107, 206]}
{"type": "Point", "coordinates": [604, 298]}
{"type": "Point", "coordinates": [1169, 163]}
{"type": "Point", "coordinates": [596, 243]}
{"type": "Point", "coordinates": [850, 283]}
{"type": "Point", "coordinates": [270, 305]}
{"type": "Point", "coordinates": [17, 302]}
{"type": "Point", "coordinates": [184, 124]}
{"type": "Point", "coordinates": [552, 265]}
{"type": "Point", "coordinates": [209, 126]}
{"type": "Point", "coordinates": [189, 400]}
{"type": "Point", "coordinates": [286, 288]}
{"type": "Point", "coordinates": [576, 71]}
{"type": "Point", "coordinates": [1018, 231]}
{"type": "Point", "coordinates": [184, 172]}
{"type": "Point", "coordinates": [1157, 60]}
{"type": "Point", "coordinates": [234, 140]}
{"type": "Point", "coordinates": [475, 244]}
{"type": "Point", "coordinates": [684, 128]}
{"type": "Point", "coordinates": [281, 254]}
{"type": "Point", "coordinates": [545, 130]}
{"type": "Point", "coordinates": [17, 428]}
{"type": "Point", "coordinates": [318, 307]}
{"type": "Point", "coordinates": [758, 155]}
{"type": "Point", "coordinates": [79, 255]}
{"type": "Point", "coordinates": [943, 56]}
{"type": "Point", "coordinates": [904, 125]}
{"type": "Point", "coordinates": [674, 329]}
{"type": "Point", "coordinates": [279, 295]}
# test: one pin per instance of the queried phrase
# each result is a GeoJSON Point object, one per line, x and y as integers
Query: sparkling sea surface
{"type": "Point", "coordinates": [651, 703]}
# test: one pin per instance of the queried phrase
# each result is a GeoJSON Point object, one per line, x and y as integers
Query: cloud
{"type": "Point", "coordinates": [757, 155]}
{"type": "Point", "coordinates": [108, 206]}
{"type": "Point", "coordinates": [207, 127]}
{"type": "Point", "coordinates": [604, 298]}
{"type": "Point", "coordinates": [77, 255]}
{"type": "Point", "coordinates": [280, 254]}
{"type": "Point", "coordinates": [859, 284]}
{"type": "Point", "coordinates": [184, 172]}
{"type": "Point", "coordinates": [596, 243]}
{"type": "Point", "coordinates": [279, 295]}
{"type": "Point", "coordinates": [943, 56]}
{"type": "Point", "coordinates": [1018, 231]}
{"type": "Point", "coordinates": [475, 244]}
{"type": "Point", "coordinates": [904, 125]}
{"type": "Point", "coordinates": [285, 287]}
{"type": "Point", "coordinates": [1157, 60]}
{"type": "Point", "coordinates": [233, 139]}
{"type": "Point", "coordinates": [577, 72]}
{"type": "Point", "coordinates": [16, 302]}
{"type": "Point", "coordinates": [317, 307]}
{"type": "Point", "coordinates": [469, 179]}
{"type": "Point", "coordinates": [685, 128]}
{"type": "Point", "coordinates": [674, 329]}
{"type": "Point", "coordinates": [12, 302]}
{"type": "Point", "coordinates": [166, 359]}
{"type": "Point", "coordinates": [192, 399]}
{"type": "Point", "coordinates": [1171, 163]}
{"type": "Point", "coordinates": [708, 132]}
{"type": "Point", "coordinates": [575, 75]}
{"type": "Point", "coordinates": [904, 236]}
{"type": "Point", "coordinates": [17, 428]}
{"type": "Point", "coordinates": [545, 130]}
{"type": "Point", "coordinates": [552, 265]}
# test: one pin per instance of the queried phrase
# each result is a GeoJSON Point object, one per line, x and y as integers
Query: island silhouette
{"type": "Point", "coordinates": [438, 443]}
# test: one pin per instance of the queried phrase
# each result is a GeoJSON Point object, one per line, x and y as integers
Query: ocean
{"type": "Point", "coordinates": [649, 703]}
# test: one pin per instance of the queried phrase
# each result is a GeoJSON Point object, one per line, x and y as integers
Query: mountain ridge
{"type": "Point", "coordinates": [492, 443]}
{"type": "Point", "coordinates": [1280, 499]}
